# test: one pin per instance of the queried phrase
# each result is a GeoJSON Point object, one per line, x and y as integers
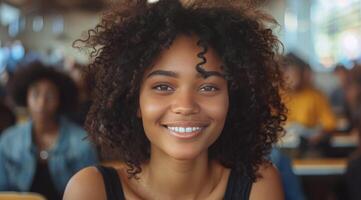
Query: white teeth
{"type": "Point", "coordinates": [184, 129]}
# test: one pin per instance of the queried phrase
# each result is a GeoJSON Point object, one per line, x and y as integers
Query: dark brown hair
{"type": "Point", "coordinates": [130, 37]}
{"type": "Point", "coordinates": [36, 71]}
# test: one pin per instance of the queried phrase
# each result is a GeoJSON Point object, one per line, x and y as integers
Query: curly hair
{"type": "Point", "coordinates": [36, 71]}
{"type": "Point", "coordinates": [129, 38]}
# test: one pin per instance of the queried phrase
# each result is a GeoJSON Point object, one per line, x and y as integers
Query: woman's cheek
{"type": "Point", "coordinates": [217, 107]}
{"type": "Point", "coordinates": [152, 106]}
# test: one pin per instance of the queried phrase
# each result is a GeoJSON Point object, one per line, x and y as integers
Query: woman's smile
{"type": "Point", "coordinates": [185, 129]}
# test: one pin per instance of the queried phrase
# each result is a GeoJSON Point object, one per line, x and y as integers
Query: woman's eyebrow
{"type": "Point", "coordinates": [175, 75]}
{"type": "Point", "coordinates": [163, 73]}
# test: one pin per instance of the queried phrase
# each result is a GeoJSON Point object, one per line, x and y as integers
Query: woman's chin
{"type": "Point", "coordinates": [181, 154]}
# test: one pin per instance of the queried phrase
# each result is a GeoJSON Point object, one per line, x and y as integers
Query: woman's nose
{"type": "Point", "coordinates": [185, 103]}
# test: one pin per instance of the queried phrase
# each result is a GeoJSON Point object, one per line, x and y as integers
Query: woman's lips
{"type": "Point", "coordinates": [185, 130]}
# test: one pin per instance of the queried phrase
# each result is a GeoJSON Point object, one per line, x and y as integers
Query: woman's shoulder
{"type": "Point", "coordinates": [17, 130]}
{"type": "Point", "coordinates": [86, 184]}
{"type": "Point", "coordinates": [19, 134]}
{"type": "Point", "coordinates": [268, 185]}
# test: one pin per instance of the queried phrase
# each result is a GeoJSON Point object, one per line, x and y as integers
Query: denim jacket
{"type": "Point", "coordinates": [18, 156]}
{"type": "Point", "coordinates": [291, 185]}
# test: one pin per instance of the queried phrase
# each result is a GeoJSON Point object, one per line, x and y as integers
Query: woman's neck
{"type": "Point", "coordinates": [185, 179]}
{"type": "Point", "coordinates": [49, 126]}
{"type": "Point", "coordinates": [45, 134]}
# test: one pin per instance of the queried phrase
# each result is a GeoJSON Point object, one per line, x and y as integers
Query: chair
{"type": "Point", "coordinates": [21, 196]}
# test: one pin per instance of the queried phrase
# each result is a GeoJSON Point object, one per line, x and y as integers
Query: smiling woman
{"type": "Point", "coordinates": [183, 112]}
{"type": "Point", "coordinates": [187, 95]}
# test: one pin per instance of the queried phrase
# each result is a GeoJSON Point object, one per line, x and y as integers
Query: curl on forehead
{"type": "Point", "coordinates": [189, 50]}
{"type": "Point", "coordinates": [199, 67]}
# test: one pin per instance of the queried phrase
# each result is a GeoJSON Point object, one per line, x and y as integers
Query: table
{"type": "Point", "coordinates": [319, 166]}
{"type": "Point", "coordinates": [337, 140]}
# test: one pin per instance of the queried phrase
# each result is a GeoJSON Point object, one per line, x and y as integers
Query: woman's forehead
{"type": "Point", "coordinates": [185, 51]}
{"type": "Point", "coordinates": [43, 83]}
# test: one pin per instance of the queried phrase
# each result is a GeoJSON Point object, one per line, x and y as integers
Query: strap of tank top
{"type": "Point", "coordinates": [238, 187]}
{"type": "Point", "coordinates": [113, 186]}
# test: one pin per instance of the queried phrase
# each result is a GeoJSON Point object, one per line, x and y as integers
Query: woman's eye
{"type": "Point", "coordinates": [162, 88]}
{"type": "Point", "coordinates": [209, 88]}
{"type": "Point", "coordinates": [50, 96]}
{"type": "Point", "coordinates": [34, 94]}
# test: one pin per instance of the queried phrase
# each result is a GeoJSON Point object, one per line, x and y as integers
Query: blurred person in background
{"type": "Point", "coordinates": [42, 154]}
{"type": "Point", "coordinates": [353, 172]}
{"type": "Point", "coordinates": [309, 113]}
{"type": "Point", "coordinates": [338, 97]}
{"type": "Point", "coordinates": [7, 117]}
{"type": "Point", "coordinates": [353, 96]}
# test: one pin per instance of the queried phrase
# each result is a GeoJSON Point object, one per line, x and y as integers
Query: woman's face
{"type": "Point", "coordinates": [43, 100]}
{"type": "Point", "coordinates": [183, 113]}
{"type": "Point", "coordinates": [293, 77]}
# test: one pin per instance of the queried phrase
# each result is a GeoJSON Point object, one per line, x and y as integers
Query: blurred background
{"type": "Point", "coordinates": [322, 54]}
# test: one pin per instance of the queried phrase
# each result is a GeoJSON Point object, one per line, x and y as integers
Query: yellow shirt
{"type": "Point", "coordinates": [309, 107]}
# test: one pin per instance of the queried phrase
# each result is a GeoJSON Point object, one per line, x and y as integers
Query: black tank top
{"type": "Point", "coordinates": [43, 184]}
{"type": "Point", "coordinates": [238, 186]}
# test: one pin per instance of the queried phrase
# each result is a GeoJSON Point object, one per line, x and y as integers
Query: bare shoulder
{"type": "Point", "coordinates": [87, 184]}
{"type": "Point", "coordinates": [269, 186]}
